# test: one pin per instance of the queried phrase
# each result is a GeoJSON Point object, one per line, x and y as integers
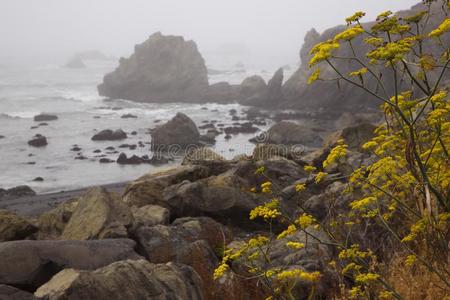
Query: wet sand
{"type": "Point", "coordinates": [38, 204]}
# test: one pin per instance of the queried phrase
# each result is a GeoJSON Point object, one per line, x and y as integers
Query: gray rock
{"type": "Point", "coordinates": [289, 133]}
{"type": "Point", "coordinates": [45, 117]}
{"type": "Point", "coordinates": [38, 141]}
{"type": "Point", "coordinates": [180, 132]}
{"type": "Point", "coordinates": [109, 135]}
{"type": "Point", "coordinates": [11, 293]}
{"type": "Point", "coordinates": [162, 69]}
{"type": "Point", "coordinates": [32, 263]}
{"type": "Point", "coordinates": [132, 280]}
{"type": "Point", "coordinates": [14, 227]}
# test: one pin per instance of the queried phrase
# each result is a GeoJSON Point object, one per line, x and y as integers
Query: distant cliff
{"type": "Point", "coordinates": [328, 97]}
{"type": "Point", "coordinates": [162, 69]}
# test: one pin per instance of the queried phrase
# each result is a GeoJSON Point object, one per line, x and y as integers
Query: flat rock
{"type": "Point", "coordinates": [109, 135]}
{"type": "Point", "coordinates": [32, 263]}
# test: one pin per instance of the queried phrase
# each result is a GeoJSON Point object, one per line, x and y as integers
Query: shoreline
{"type": "Point", "coordinates": [35, 205]}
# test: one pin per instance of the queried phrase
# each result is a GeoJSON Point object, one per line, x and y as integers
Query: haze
{"type": "Point", "coordinates": [268, 31]}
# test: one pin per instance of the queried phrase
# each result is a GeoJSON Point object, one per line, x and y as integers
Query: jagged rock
{"type": "Point", "coordinates": [149, 215]}
{"type": "Point", "coordinates": [162, 69]}
{"type": "Point", "coordinates": [38, 141]}
{"type": "Point", "coordinates": [45, 118]}
{"type": "Point", "coordinates": [181, 131]}
{"type": "Point", "coordinates": [190, 241]}
{"type": "Point", "coordinates": [32, 263]}
{"type": "Point", "coordinates": [109, 135]}
{"type": "Point", "coordinates": [11, 293]}
{"type": "Point", "coordinates": [268, 151]}
{"type": "Point", "coordinates": [14, 227]}
{"type": "Point", "coordinates": [147, 281]}
{"type": "Point", "coordinates": [331, 99]}
{"type": "Point", "coordinates": [52, 223]}
{"type": "Point", "coordinates": [98, 215]}
{"type": "Point", "coordinates": [272, 96]}
{"type": "Point", "coordinates": [148, 189]}
{"type": "Point", "coordinates": [241, 128]}
{"type": "Point", "coordinates": [289, 133]}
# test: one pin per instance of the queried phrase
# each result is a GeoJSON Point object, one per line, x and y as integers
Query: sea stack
{"type": "Point", "coordinates": [162, 69]}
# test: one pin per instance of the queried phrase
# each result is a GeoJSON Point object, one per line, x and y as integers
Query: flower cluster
{"type": "Point", "coordinates": [349, 34]}
{"type": "Point", "coordinates": [322, 51]}
{"type": "Point", "coordinates": [355, 17]}
{"type": "Point", "coordinates": [337, 153]}
{"type": "Point", "coordinates": [442, 28]}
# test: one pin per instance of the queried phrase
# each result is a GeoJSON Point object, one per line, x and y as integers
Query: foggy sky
{"type": "Point", "coordinates": [50, 31]}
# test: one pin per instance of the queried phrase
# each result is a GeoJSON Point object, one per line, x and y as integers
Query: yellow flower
{"type": "Point", "coordinates": [442, 28]}
{"type": "Point", "coordinates": [314, 76]}
{"type": "Point", "coordinates": [336, 153]}
{"type": "Point", "coordinates": [300, 187]}
{"type": "Point", "coordinates": [365, 278]}
{"type": "Point", "coordinates": [309, 169]}
{"type": "Point", "coordinates": [322, 51]}
{"type": "Point", "coordinates": [265, 187]}
{"type": "Point", "coordinates": [349, 34]}
{"type": "Point", "coordinates": [319, 177]}
{"type": "Point", "coordinates": [305, 220]}
{"type": "Point", "coordinates": [220, 270]}
{"type": "Point", "coordinates": [295, 245]}
{"type": "Point", "coordinates": [253, 190]}
{"type": "Point", "coordinates": [410, 260]}
{"type": "Point", "coordinates": [392, 51]}
{"type": "Point", "coordinates": [260, 170]}
{"type": "Point", "coordinates": [386, 295]}
{"type": "Point", "coordinates": [298, 274]}
{"type": "Point", "coordinates": [359, 72]}
{"type": "Point", "coordinates": [264, 212]}
{"type": "Point", "coordinates": [384, 14]}
{"type": "Point", "coordinates": [288, 231]}
{"type": "Point", "coordinates": [355, 17]}
{"type": "Point", "coordinates": [374, 41]}
{"type": "Point", "coordinates": [363, 204]}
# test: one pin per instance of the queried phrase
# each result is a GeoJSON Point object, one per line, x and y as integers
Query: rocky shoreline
{"type": "Point", "coordinates": [161, 234]}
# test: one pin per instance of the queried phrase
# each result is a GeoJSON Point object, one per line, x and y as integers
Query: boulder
{"type": "Point", "coordinates": [148, 189]}
{"type": "Point", "coordinates": [162, 69]}
{"type": "Point", "coordinates": [251, 86]}
{"type": "Point", "coordinates": [180, 131]}
{"type": "Point", "coordinates": [98, 215]}
{"type": "Point", "coordinates": [289, 133]}
{"type": "Point", "coordinates": [201, 155]}
{"type": "Point", "coordinates": [223, 197]}
{"type": "Point", "coordinates": [38, 141]}
{"type": "Point", "coordinates": [149, 215]}
{"type": "Point", "coordinates": [190, 241]}
{"type": "Point", "coordinates": [14, 227]}
{"type": "Point", "coordinates": [354, 136]}
{"type": "Point", "coordinates": [146, 281]}
{"type": "Point", "coordinates": [52, 223]}
{"type": "Point", "coordinates": [45, 118]}
{"type": "Point", "coordinates": [19, 191]}
{"type": "Point", "coordinates": [11, 293]}
{"type": "Point", "coordinates": [109, 135]}
{"type": "Point", "coordinates": [32, 263]}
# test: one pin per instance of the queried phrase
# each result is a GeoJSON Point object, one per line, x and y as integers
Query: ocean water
{"type": "Point", "coordinates": [71, 94]}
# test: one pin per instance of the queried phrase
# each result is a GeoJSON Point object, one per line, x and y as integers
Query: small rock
{"type": "Point", "coordinates": [105, 160]}
{"type": "Point", "coordinates": [38, 141]}
{"type": "Point", "coordinates": [109, 135]}
{"type": "Point", "coordinates": [45, 117]}
{"type": "Point", "coordinates": [128, 116]}
{"type": "Point", "coordinates": [38, 179]}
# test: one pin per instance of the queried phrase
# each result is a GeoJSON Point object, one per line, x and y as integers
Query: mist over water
{"type": "Point", "coordinates": [238, 38]}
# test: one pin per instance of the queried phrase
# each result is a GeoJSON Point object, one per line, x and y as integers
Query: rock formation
{"type": "Point", "coordinates": [326, 96]}
{"type": "Point", "coordinates": [162, 69]}
{"type": "Point", "coordinates": [180, 131]}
